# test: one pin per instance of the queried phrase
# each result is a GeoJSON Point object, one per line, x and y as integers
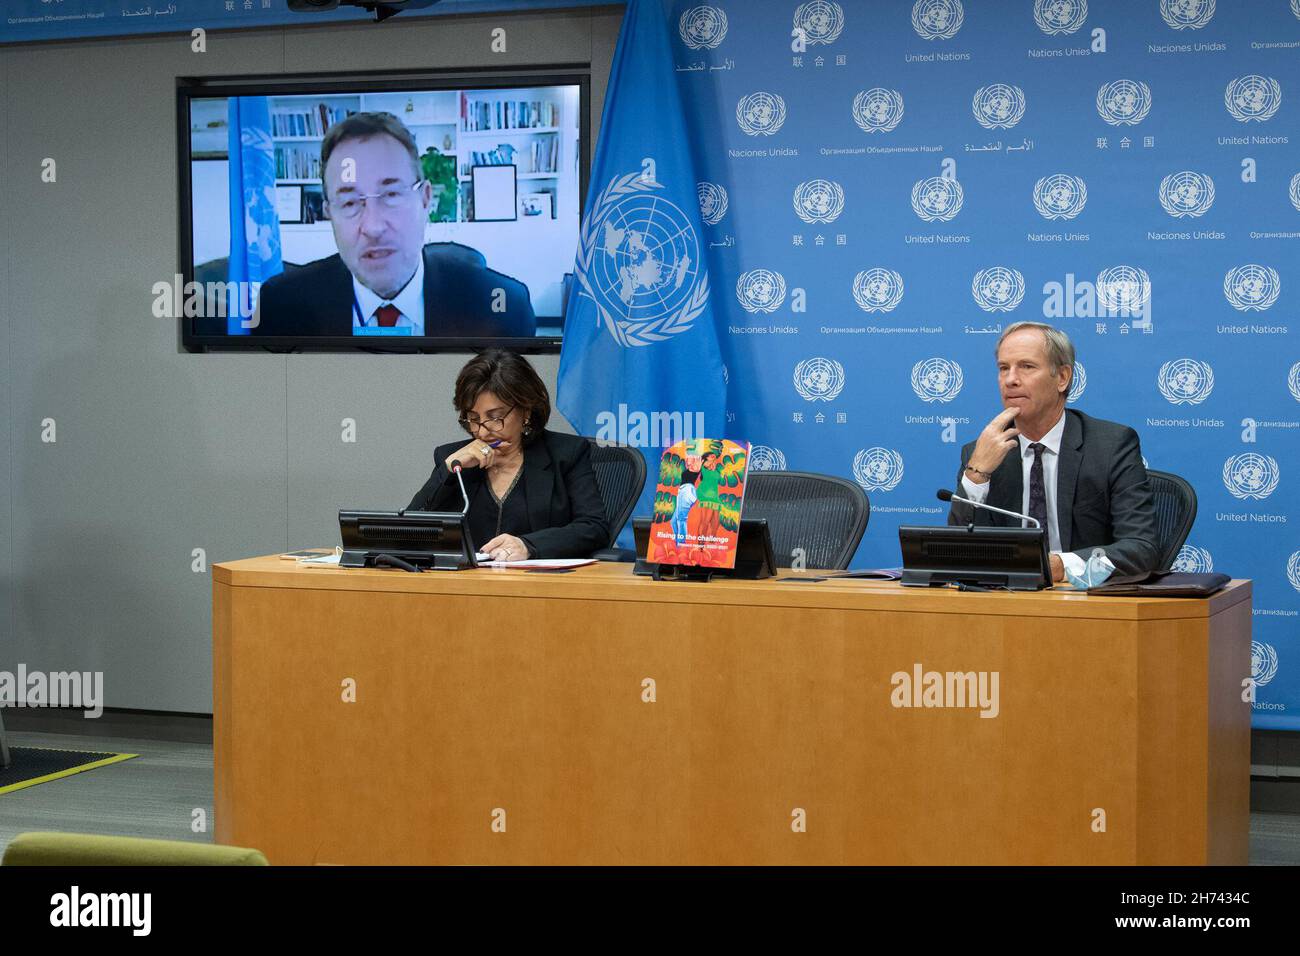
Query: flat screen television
{"type": "Point", "coordinates": [404, 212]}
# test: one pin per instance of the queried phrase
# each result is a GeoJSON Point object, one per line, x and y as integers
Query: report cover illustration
{"type": "Point", "coordinates": [698, 499]}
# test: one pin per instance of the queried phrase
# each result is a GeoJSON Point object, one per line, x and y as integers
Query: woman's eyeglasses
{"type": "Point", "coordinates": [492, 424]}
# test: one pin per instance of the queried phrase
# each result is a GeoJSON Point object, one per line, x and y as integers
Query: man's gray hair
{"type": "Point", "coordinates": [1060, 350]}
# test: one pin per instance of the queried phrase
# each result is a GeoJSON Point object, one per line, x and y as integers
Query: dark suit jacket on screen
{"type": "Point", "coordinates": [565, 509]}
{"type": "Point", "coordinates": [1103, 498]}
{"type": "Point", "coordinates": [316, 299]}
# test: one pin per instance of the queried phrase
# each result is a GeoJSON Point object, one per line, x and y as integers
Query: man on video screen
{"type": "Point", "coordinates": [384, 279]}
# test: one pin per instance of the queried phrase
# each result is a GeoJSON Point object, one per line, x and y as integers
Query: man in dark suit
{"type": "Point", "coordinates": [1081, 477]}
{"type": "Point", "coordinates": [384, 280]}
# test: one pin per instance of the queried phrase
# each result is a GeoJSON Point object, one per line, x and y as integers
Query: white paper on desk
{"type": "Point", "coordinates": [553, 564]}
{"type": "Point", "coordinates": [324, 561]}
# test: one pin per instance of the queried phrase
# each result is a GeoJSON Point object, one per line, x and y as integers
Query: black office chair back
{"type": "Point", "coordinates": [1175, 514]}
{"type": "Point", "coordinates": [822, 515]}
{"type": "Point", "coordinates": [620, 475]}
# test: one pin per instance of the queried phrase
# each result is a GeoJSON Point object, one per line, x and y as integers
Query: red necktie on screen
{"type": "Point", "coordinates": [387, 315]}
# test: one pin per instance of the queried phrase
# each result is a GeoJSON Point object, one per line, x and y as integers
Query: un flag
{"type": "Point", "coordinates": [640, 364]}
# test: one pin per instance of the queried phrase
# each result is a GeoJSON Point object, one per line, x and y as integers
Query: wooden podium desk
{"type": "Point", "coordinates": [499, 698]}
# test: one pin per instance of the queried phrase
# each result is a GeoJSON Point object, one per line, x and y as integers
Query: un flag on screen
{"type": "Point", "coordinates": [640, 364]}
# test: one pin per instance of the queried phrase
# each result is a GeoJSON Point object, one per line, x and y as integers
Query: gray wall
{"type": "Point", "coordinates": [160, 452]}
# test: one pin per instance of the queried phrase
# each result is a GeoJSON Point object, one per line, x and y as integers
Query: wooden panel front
{"type": "Point", "coordinates": [487, 690]}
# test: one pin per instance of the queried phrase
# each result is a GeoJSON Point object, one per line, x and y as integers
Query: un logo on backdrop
{"type": "Point", "coordinates": [1186, 194]}
{"type": "Point", "coordinates": [1253, 97]}
{"type": "Point", "coordinates": [766, 458]}
{"type": "Point", "coordinates": [818, 200]}
{"type": "Point", "coordinates": [937, 19]}
{"type": "Point", "coordinates": [878, 110]}
{"type": "Point", "coordinates": [1078, 382]}
{"type": "Point", "coordinates": [1295, 8]}
{"type": "Point", "coordinates": [998, 289]}
{"type": "Point", "coordinates": [1124, 102]}
{"type": "Point", "coordinates": [703, 28]}
{"type": "Point", "coordinates": [1295, 188]}
{"type": "Point", "coordinates": [1057, 17]}
{"type": "Point", "coordinates": [998, 106]}
{"type": "Point", "coordinates": [1251, 287]}
{"type": "Point", "coordinates": [878, 290]}
{"type": "Point", "coordinates": [1293, 381]}
{"type": "Point", "coordinates": [639, 260]}
{"type": "Point", "coordinates": [1191, 560]}
{"type": "Point", "coordinates": [819, 379]}
{"type": "Point", "coordinates": [878, 469]}
{"type": "Point", "coordinates": [821, 21]}
{"type": "Point", "coordinates": [936, 380]}
{"type": "Point", "coordinates": [1263, 662]}
{"type": "Point", "coordinates": [1187, 14]}
{"type": "Point", "coordinates": [1251, 475]}
{"type": "Point", "coordinates": [1060, 196]}
{"type": "Point", "coordinates": [1185, 381]}
{"type": "Point", "coordinates": [937, 199]}
{"type": "Point", "coordinates": [713, 202]}
{"type": "Point", "coordinates": [1293, 570]}
{"type": "Point", "coordinates": [760, 114]}
{"type": "Point", "coordinates": [760, 290]}
{"type": "Point", "coordinates": [1123, 288]}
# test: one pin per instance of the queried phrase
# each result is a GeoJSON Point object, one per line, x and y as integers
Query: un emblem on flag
{"type": "Point", "coordinates": [1251, 475]}
{"type": "Point", "coordinates": [1124, 102]}
{"type": "Point", "coordinates": [1251, 288]}
{"type": "Point", "coordinates": [937, 19]}
{"type": "Point", "coordinates": [936, 380]}
{"type": "Point", "coordinates": [1252, 97]}
{"type": "Point", "coordinates": [878, 110]}
{"type": "Point", "coordinates": [760, 114]}
{"type": "Point", "coordinates": [766, 458]}
{"type": "Point", "coordinates": [878, 290]}
{"type": "Point", "coordinates": [998, 106]}
{"type": "Point", "coordinates": [1185, 381]}
{"type": "Point", "coordinates": [639, 260]}
{"type": "Point", "coordinates": [1295, 8]}
{"type": "Point", "coordinates": [1293, 381]}
{"type": "Point", "coordinates": [1078, 383]}
{"type": "Point", "coordinates": [1186, 194]}
{"type": "Point", "coordinates": [1123, 288]}
{"type": "Point", "coordinates": [818, 200]}
{"type": "Point", "coordinates": [937, 199]}
{"type": "Point", "coordinates": [1058, 17]}
{"type": "Point", "coordinates": [878, 469]}
{"type": "Point", "coordinates": [703, 28]}
{"type": "Point", "coordinates": [821, 21]}
{"type": "Point", "coordinates": [713, 202]}
{"type": "Point", "coordinates": [999, 289]}
{"type": "Point", "coordinates": [760, 290]}
{"type": "Point", "coordinates": [1187, 14]}
{"type": "Point", "coordinates": [1060, 196]}
{"type": "Point", "coordinates": [1292, 570]}
{"type": "Point", "coordinates": [1295, 185]}
{"type": "Point", "coordinates": [1263, 662]}
{"type": "Point", "coordinates": [1193, 560]}
{"type": "Point", "coordinates": [819, 379]}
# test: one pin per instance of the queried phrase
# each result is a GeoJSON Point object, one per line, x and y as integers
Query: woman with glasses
{"type": "Point", "coordinates": [532, 492]}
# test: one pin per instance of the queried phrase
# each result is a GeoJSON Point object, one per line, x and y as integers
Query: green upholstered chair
{"type": "Point", "coordinates": [84, 849]}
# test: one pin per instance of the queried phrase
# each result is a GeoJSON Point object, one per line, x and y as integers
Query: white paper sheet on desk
{"type": "Point", "coordinates": [553, 564]}
{"type": "Point", "coordinates": [324, 561]}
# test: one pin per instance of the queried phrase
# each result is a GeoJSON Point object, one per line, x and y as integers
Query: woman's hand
{"type": "Point", "coordinates": [476, 454]}
{"type": "Point", "coordinates": [506, 547]}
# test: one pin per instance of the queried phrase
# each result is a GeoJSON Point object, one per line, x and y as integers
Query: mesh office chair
{"type": "Point", "coordinates": [620, 475]}
{"type": "Point", "coordinates": [1175, 513]}
{"type": "Point", "coordinates": [823, 515]}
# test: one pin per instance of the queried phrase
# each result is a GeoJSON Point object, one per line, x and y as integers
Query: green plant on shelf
{"type": "Point", "coordinates": [440, 171]}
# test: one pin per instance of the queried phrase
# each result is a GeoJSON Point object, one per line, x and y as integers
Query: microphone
{"type": "Point", "coordinates": [944, 494]}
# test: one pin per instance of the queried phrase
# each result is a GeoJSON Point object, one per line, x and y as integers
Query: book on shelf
{"type": "Point", "coordinates": [308, 121]}
{"type": "Point", "coordinates": [480, 115]}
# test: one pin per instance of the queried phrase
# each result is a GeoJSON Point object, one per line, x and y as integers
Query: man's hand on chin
{"type": "Point", "coordinates": [1058, 568]}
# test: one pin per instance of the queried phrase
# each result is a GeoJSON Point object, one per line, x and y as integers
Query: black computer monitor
{"type": "Point", "coordinates": [754, 556]}
{"type": "Point", "coordinates": [430, 540]}
{"type": "Point", "coordinates": [986, 557]}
